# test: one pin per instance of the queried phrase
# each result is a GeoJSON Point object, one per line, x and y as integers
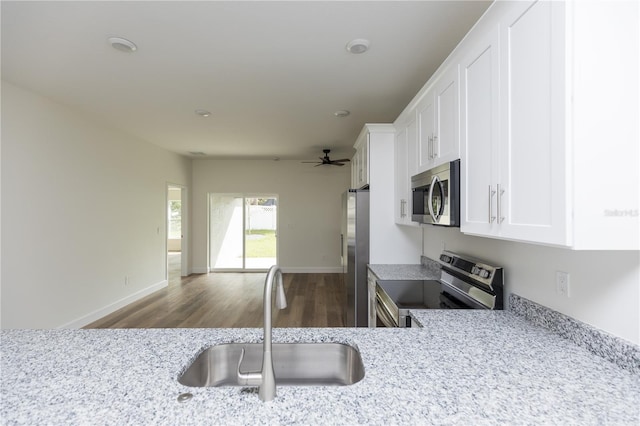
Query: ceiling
{"type": "Point", "coordinates": [272, 74]}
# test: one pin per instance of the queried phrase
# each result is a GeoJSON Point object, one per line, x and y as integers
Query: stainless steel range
{"type": "Point", "coordinates": [465, 283]}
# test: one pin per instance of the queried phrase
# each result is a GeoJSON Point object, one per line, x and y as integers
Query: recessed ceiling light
{"type": "Point", "coordinates": [203, 113]}
{"type": "Point", "coordinates": [122, 44]}
{"type": "Point", "coordinates": [358, 46]}
{"type": "Point", "coordinates": [341, 113]}
{"type": "Point", "coordinates": [197, 153]}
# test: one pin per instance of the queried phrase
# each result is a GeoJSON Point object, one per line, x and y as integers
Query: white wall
{"type": "Point", "coordinates": [605, 285]}
{"type": "Point", "coordinates": [309, 207]}
{"type": "Point", "coordinates": [67, 178]}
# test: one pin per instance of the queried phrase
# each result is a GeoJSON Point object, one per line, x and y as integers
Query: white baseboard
{"type": "Point", "coordinates": [102, 312]}
{"type": "Point", "coordinates": [290, 270]}
{"type": "Point", "coordinates": [312, 269]}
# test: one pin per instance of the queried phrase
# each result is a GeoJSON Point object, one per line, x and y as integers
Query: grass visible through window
{"type": "Point", "coordinates": [260, 243]}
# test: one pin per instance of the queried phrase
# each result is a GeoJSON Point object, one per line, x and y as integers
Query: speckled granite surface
{"type": "Point", "coordinates": [425, 271]}
{"type": "Point", "coordinates": [464, 367]}
{"type": "Point", "coordinates": [610, 347]}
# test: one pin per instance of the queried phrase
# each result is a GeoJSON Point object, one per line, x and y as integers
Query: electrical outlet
{"type": "Point", "coordinates": [563, 284]}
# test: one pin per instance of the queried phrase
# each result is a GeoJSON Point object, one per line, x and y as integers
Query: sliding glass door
{"type": "Point", "coordinates": [242, 231]}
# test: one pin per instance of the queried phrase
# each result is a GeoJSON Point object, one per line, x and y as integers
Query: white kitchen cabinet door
{"type": "Point", "coordinates": [412, 148]}
{"type": "Point", "coordinates": [438, 122]}
{"type": "Point", "coordinates": [404, 144]}
{"type": "Point", "coordinates": [446, 139]}
{"type": "Point", "coordinates": [604, 124]}
{"type": "Point", "coordinates": [355, 170]}
{"type": "Point", "coordinates": [360, 162]}
{"type": "Point", "coordinates": [479, 133]}
{"type": "Point", "coordinates": [401, 174]}
{"type": "Point", "coordinates": [426, 117]}
{"type": "Point", "coordinates": [532, 198]}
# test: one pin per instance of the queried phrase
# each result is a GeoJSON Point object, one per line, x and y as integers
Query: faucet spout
{"type": "Point", "coordinates": [266, 379]}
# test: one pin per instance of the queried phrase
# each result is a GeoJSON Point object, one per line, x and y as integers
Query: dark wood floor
{"type": "Point", "coordinates": [234, 300]}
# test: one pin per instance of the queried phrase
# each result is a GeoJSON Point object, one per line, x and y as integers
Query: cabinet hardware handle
{"type": "Point", "coordinates": [432, 149]}
{"type": "Point", "coordinates": [500, 192]}
{"type": "Point", "coordinates": [435, 142]}
{"type": "Point", "coordinates": [491, 194]}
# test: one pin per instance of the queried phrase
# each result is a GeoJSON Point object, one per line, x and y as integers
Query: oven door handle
{"type": "Point", "coordinates": [383, 313]}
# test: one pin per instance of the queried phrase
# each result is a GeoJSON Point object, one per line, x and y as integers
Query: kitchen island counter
{"type": "Point", "coordinates": [463, 367]}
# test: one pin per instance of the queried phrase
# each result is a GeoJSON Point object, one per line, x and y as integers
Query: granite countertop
{"type": "Point", "coordinates": [405, 272]}
{"type": "Point", "coordinates": [463, 367]}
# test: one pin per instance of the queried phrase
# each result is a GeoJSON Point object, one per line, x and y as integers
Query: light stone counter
{"type": "Point", "coordinates": [464, 367]}
{"type": "Point", "coordinates": [428, 270]}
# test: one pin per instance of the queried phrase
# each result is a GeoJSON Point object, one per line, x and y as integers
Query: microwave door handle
{"type": "Point", "coordinates": [441, 185]}
{"type": "Point", "coordinates": [429, 197]}
{"type": "Point", "coordinates": [436, 217]}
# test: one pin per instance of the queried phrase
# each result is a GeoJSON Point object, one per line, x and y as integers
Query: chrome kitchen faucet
{"type": "Point", "coordinates": [265, 378]}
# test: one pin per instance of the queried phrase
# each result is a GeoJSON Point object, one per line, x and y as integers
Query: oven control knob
{"type": "Point", "coordinates": [475, 270]}
{"type": "Point", "coordinates": [445, 258]}
{"type": "Point", "coordinates": [483, 273]}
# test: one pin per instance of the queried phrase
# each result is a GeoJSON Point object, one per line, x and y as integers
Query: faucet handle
{"type": "Point", "coordinates": [247, 379]}
{"type": "Point", "coordinates": [281, 298]}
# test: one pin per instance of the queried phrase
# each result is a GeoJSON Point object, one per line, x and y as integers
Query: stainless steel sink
{"type": "Point", "coordinates": [295, 364]}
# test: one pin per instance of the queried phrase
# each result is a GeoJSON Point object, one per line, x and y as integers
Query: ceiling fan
{"type": "Point", "coordinates": [326, 161]}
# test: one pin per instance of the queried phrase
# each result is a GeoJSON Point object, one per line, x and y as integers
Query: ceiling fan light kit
{"type": "Point", "coordinates": [326, 161]}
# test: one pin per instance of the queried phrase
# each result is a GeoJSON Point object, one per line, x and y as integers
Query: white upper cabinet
{"type": "Point", "coordinates": [405, 154]}
{"type": "Point", "coordinates": [514, 184]}
{"type": "Point", "coordinates": [388, 243]}
{"type": "Point", "coordinates": [532, 198]}
{"type": "Point", "coordinates": [535, 83]}
{"type": "Point", "coordinates": [446, 145]}
{"type": "Point", "coordinates": [545, 97]}
{"type": "Point", "coordinates": [480, 133]}
{"type": "Point", "coordinates": [426, 111]}
{"type": "Point", "coordinates": [438, 121]}
{"type": "Point", "coordinates": [360, 162]}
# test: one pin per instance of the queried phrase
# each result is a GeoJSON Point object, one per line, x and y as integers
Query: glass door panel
{"type": "Point", "coordinates": [226, 231]}
{"type": "Point", "coordinates": [260, 232]}
{"type": "Point", "coordinates": [242, 232]}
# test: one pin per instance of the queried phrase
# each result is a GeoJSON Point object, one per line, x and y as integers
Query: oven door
{"type": "Point", "coordinates": [386, 310]}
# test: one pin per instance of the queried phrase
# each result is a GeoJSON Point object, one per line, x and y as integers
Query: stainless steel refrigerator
{"type": "Point", "coordinates": [355, 255]}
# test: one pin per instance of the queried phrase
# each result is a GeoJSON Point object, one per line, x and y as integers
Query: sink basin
{"type": "Point", "coordinates": [295, 364]}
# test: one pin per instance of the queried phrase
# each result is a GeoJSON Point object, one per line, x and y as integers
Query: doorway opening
{"type": "Point", "coordinates": [176, 259]}
{"type": "Point", "coordinates": [243, 232]}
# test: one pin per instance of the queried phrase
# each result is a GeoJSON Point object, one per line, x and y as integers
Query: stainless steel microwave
{"type": "Point", "coordinates": [436, 195]}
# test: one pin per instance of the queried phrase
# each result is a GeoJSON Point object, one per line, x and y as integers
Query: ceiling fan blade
{"type": "Point", "coordinates": [333, 163]}
{"type": "Point", "coordinates": [342, 160]}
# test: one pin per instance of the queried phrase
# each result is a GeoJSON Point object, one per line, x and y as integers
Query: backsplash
{"type": "Point", "coordinates": [430, 264]}
{"type": "Point", "coordinates": [619, 351]}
